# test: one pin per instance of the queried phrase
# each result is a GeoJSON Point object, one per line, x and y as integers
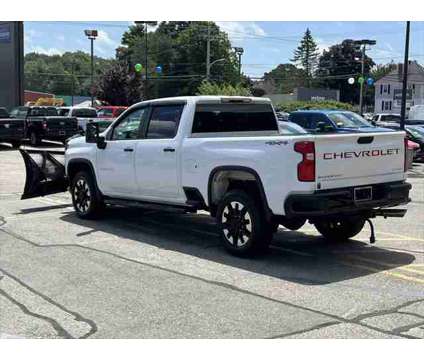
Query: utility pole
{"type": "Point", "coordinates": [363, 43]}
{"type": "Point", "coordinates": [92, 34]}
{"type": "Point", "coordinates": [208, 53]}
{"type": "Point", "coordinates": [405, 77]}
{"type": "Point", "coordinates": [361, 89]}
{"type": "Point", "coordinates": [73, 81]}
{"type": "Point", "coordinates": [239, 51]}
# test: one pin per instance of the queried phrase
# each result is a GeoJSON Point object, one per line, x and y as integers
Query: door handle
{"type": "Point", "coordinates": [128, 150]}
{"type": "Point", "coordinates": [169, 150]}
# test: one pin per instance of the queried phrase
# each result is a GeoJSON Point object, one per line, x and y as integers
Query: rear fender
{"type": "Point", "coordinates": [45, 175]}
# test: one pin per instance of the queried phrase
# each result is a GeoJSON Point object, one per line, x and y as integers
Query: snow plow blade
{"type": "Point", "coordinates": [45, 174]}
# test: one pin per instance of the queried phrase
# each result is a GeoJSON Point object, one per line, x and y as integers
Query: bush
{"type": "Point", "coordinates": [208, 88]}
{"type": "Point", "coordinates": [309, 105]}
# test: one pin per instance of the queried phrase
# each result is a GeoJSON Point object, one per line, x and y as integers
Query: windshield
{"type": "Point", "coordinates": [348, 120]}
{"type": "Point", "coordinates": [417, 132]}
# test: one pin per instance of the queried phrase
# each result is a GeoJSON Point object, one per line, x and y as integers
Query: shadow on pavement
{"type": "Point", "coordinates": [293, 256]}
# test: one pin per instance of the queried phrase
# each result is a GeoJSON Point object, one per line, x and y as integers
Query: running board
{"type": "Point", "coordinates": [149, 205]}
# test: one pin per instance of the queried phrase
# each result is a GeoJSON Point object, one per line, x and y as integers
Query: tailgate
{"type": "Point", "coordinates": [358, 159]}
{"type": "Point", "coordinates": [62, 123]}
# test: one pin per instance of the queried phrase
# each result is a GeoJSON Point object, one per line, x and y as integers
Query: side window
{"type": "Point", "coordinates": [164, 121]}
{"type": "Point", "coordinates": [300, 119]}
{"type": "Point", "coordinates": [128, 127]}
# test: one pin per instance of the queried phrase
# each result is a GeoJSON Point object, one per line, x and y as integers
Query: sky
{"type": "Point", "coordinates": [266, 44]}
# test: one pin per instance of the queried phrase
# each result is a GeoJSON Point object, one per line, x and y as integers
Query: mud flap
{"type": "Point", "coordinates": [45, 174]}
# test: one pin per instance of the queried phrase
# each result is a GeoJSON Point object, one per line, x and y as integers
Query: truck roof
{"type": "Point", "coordinates": [210, 98]}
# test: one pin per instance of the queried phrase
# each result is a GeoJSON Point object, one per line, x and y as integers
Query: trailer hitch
{"type": "Point", "coordinates": [45, 174]}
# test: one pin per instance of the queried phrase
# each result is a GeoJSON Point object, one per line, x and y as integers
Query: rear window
{"type": "Point", "coordinates": [87, 113]}
{"type": "Point", "coordinates": [212, 118]}
{"type": "Point", "coordinates": [51, 112]}
{"type": "Point", "coordinates": [63, 112]}
{"type": "Point", "coordinates": [105, 112]}
{"type": "Point", "coordinates": [390, 118]}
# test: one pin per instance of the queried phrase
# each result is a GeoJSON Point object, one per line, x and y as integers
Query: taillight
{"type": "Point", "coordinates": [44, 124]}
{"type": "Point", "coordinates": [405, 160]}
{"type": "Point", "coordinates": [306, 168]}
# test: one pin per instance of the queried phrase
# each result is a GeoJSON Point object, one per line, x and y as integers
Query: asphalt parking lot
{"type": "Point", "coordinates": [149, 274]}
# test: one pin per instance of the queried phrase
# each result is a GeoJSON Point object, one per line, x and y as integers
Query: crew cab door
{"type": "Point", "coordinates": [115, 163]}
{"type": "Point", "coordinates": [157, 157]}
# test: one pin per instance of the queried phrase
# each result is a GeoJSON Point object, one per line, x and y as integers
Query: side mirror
{"type": "Point", "coordinates": [92, 135]}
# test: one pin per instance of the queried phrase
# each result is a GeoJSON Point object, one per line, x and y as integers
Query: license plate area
{"type": "Point", "coordinates": [363, 193]}
{"type": "Point", "coordinates": [62, 132]}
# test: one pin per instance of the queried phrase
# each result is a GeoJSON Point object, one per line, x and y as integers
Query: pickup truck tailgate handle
{"type": "Point", "coordinates": [365, 139]}
{"type": "Point", "coordinates": [169, 150]}
{"type": "Point", "coordinates": [128, 150]}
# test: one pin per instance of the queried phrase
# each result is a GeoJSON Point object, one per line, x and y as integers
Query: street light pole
{"type": "Point", "coordinates": [405, 77]}
{"type": "Point", "coordinates": [92, 34]}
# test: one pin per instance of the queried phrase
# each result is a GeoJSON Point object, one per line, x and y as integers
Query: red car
{"type": "Point", "coordinates": [110, 112]}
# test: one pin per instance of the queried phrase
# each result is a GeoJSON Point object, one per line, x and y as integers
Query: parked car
{"type": "Point", "coordinates": [332, 121]}
{"type": "Point", "coordinates": [416, 112]}
{"type": "Point", "coordinates": [415, 134]}
{"type": "Point", "coordinates": [282, 116]}
{"type": "Point", "coordinates": [377, 118]}
{"type": "Point", "coordinates": [83, 114]}
{"type": "Point", "coordinates": [225, 155]}
{"type": "Point", "coordinates": [11, 130]}
{"type": "Point", "coordinates": [43, 122]}
{"type": "Point", "coordinates": [110, 112]}
{"type": "Point", "coordinates": [395, 118]}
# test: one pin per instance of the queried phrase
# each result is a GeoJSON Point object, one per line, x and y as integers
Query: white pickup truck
{"type": "Point", "coordinates": [225, 155]}
{"type": "Point", "coordinates": [84, 115]}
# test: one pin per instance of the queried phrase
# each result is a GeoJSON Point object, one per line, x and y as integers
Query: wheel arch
{"type": "Point", "coordinates": [231, 170]}
{"type": "Point", "coordinates": [80, 164]}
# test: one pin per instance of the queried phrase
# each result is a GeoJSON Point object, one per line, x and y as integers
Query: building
{"type": "Point", "coordinates": [388, 89]}
{"type": "Point", "coordinates": [305, 94]}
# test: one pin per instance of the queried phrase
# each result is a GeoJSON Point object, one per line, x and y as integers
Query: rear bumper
{"type": "Point", "coordinates": [340, 201]}
{"type": "Point", "coordinates": [60, 134]}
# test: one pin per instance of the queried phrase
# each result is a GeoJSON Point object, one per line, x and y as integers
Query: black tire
{"type": "Point", "coordinates": [86, 198]}
{"type": "Point", "coordinates": [242, 226]}
{"type": "Point", "coordinates": [15, 144]}
{"type": "Point", "coordinates": [340, 229]}
{"type": "Point", "coordinates": [34, 139]}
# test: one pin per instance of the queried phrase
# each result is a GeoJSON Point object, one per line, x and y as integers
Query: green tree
{"type": "Point", "coordinates": [208, 88]}
{"type": "Point", "coordinates": [339, 63]}
{"type": "Point", "coordinates": [180, 49]}
{"type": "Point", "coordinates": [306, 55]}
{"type": "Point", "coordinates": [118, 86]}
{"type": "Point", "coordinates": [284, 78]}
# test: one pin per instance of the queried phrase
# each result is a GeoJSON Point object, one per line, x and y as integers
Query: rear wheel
{"type": "Point", "coordinates": [86, 198]}
{"type": "Point", "coordinates": [34, 139]}
{"type": "Point", "coordinates": [340, 229]}
{"type": "Point", "coordinates": [243, 229]}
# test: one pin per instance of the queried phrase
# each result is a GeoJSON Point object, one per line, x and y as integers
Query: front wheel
{"type": "Point", "coordinates": [340, 229]}
{"type": "Point", "coordinates": [86, 198]}
{"type": "Point", "coordinates": [243, 229]}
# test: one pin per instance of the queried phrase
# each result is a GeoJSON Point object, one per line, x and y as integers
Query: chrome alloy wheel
{"type": "Point", "coordinates": [82, 195]}
{"type": "Point", "coordinates": [236, 224]}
